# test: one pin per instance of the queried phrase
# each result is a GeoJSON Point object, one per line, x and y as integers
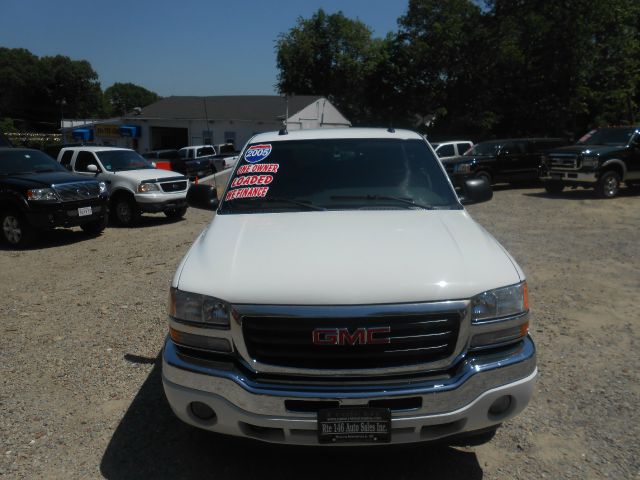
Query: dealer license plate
{"type": "Point", "coordinates": [358, 425]}
{"type": "Point", "coordinates": [84, 211]}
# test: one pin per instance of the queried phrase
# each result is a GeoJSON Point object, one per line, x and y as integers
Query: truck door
{"type": "Point", "coordinates": [512, 161]}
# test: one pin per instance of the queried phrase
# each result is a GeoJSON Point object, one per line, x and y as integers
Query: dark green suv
{"type": "Point", "coordinates": [601, 159]}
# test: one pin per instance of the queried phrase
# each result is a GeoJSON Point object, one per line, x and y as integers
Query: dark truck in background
{"type": "Point", "coordinates": [512, 161]}
{"type": "Point", "coordinates": [37, 193]}
{"type": "Point", "coordinates": [601, 159]}
{"type": "Point", "coordinates": [172, 160]}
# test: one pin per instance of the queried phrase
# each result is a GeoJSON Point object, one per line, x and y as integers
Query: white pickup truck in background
{"type": "Point", "coordinates": [221, 156]}
{"type": "Point", "coordinates": [134, 185]}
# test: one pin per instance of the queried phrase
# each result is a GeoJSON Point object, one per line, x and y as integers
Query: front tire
{"type": "Point", "coordinates": [125, 211]}
{"type": "Point", "coordinates": [15, 230]}
{"type": "Point", "coordinates": [175, 213]}
{"type": "Point", "coordinates": [608, 185]}
{"type": "Point", "coordinates": [486, 176]}
{"type": "Point", "coordinates": [554, 188]}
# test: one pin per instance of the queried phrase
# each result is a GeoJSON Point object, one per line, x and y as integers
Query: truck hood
{"type": "Point", "coordinates": [593, 149]}
{"type": "Point", "coordinates": [345, 258]}
{"type": "Point", "coordinates": [47, 179]}
{"type": "Point", "coordinates": [147, 174]}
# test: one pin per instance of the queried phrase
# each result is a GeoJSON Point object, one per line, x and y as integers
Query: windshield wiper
{"type": "Point", "coordinates": [405, 200]}
{"type": "Point", "coordinates": [290, 201]}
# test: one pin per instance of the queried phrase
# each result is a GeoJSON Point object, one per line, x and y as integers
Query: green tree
{"type": "Point", "coordinates": [121, 98]}
{"type": "Point", "coordinates": [329, 55]}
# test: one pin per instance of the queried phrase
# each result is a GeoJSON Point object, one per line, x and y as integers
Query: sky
{"type": "Point", "coordinates": [179, 47]}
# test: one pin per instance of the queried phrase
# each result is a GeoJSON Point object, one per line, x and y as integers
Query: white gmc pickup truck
{"type": "Point", "coordinates": [343, 295]}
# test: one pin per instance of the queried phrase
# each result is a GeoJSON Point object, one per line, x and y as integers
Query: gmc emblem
{"type": "Point", "coordinates": [360, 336]}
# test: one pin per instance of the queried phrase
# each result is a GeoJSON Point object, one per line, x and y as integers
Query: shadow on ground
{"type": "Point", "coordinates": [583, 194]}
{"type": "Point", "coordinates": [150, 442]}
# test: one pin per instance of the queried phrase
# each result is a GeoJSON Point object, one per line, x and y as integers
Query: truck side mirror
{"type": "Point", "coordinates": [203, 197]}
{"type": "Point", "coordinates": [92, 168]}
{"type": "Point", "coordinates": [476, 190]}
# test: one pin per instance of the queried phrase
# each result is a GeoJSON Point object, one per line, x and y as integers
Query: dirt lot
{"type": "Point", "coordinates": [83, 325]}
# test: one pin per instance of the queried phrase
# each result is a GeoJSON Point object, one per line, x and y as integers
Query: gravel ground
{"type": "Point", "coordinates": [83, 325]}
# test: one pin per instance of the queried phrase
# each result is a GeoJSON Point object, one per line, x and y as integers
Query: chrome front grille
{"type": "Point", "coordinates": [413, 339]}
{"type": "Point", "coordinates": [563, 162]}
{"type": "Point", "coordinates": [174, 186]}
{"type": "Point", "coordinates": [70, 192]}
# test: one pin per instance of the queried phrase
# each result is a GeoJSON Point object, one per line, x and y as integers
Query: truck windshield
{"type": "Point", "coordinates": [338, 174]}
{"type": "Point", "coordinates": [484, 148]}
{"type": "Point", "coordinates": [607, 136]}
{"type": "Point", "coordinates": [118, 160]}
{"type": "Point", "coordinates": [18, 161]}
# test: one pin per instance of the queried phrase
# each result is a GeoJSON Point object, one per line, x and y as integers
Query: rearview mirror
{"type": "Point", "coordinates": [202, 196]}
{"type": "Point", "coordinates": [476, 190]}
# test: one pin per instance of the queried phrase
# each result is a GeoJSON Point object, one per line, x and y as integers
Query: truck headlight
{"type": "Point", "coordinates": [499, 316]}
{"type": "Point", "coordinates": [501, 302]}
{"type": "Point", "coordinates": [148, 187]}
{"type": "Point", "coordinates": [42, 195]}
{"type": "Point", "coordinates": [103, 187]}
{"type": "Point", "coordinates": [590, 162]}
{"type": "Point", "coordinates": [462, 168]}
{"type": "Point", "coordinates": [197, 308]}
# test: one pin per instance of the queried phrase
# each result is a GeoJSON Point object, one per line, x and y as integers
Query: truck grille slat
{"type": "Point", "coordinates": [413, 339]}
{"type": "Point", "coordinates": [563, 162]}
{"type": "Point", "coordinates": [70, 192]}
{"type": "Point", "coordinates": [175, 186]}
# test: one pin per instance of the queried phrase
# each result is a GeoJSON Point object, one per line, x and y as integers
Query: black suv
{"type": "Point", "coordinates": [36, 192]}
{"type": "Point", "coordinates": [601, 159]}
{"type": "Point", "coordinates": [510, 160]}
{"type": "Point", "coordinates": [171, 160]}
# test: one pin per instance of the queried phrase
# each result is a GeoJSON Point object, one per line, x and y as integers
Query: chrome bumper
{"type": "Point", "coordinates": [450, 404]}
{"type": "Point", "coordinates": [563, 176]}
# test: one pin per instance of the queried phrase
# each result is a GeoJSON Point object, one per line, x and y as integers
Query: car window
{"type": "Point", "coordinates": [204, 151]}
{"type": "Point", "coordinates": [512, 148]}
{"type": "Point", "coordinates": [463, 147]}
{"type": "Point", "coordinates": [446, 151]}
{"type": "Point", "coordinates": [120, 160]}
{"type": "Point", "coordinates": [83, 160]}
{"type": "Point", "coordinates": [18, 161]}
{"type": "Point", "coordinates": [65, 161]}
{"type": "Point", "coordinates": [337, 174]}
{"type": "Point", "coordinates": [183, 153]}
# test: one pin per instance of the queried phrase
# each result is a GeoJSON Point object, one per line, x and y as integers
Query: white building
{"type": "Point", "coordinates": [176, 122]}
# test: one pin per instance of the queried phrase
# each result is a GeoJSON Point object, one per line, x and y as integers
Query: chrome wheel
{"type": "Point", "coordinates": [611, 186]}
{"type": "Point", "coordinates": [12, 229]}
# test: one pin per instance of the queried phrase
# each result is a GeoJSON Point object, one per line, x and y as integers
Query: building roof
{"type": "Point", "coordinates": [233, 107]}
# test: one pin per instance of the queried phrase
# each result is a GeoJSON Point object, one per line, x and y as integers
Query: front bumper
{"type": "Point", "coordinates": [451, 403]}
{"type": "Point", "coordinates": [581, 178]}
{"type": "Point", "coordinates": [65, 214]}
{"type": "Point", "coordinates": [160, 202]}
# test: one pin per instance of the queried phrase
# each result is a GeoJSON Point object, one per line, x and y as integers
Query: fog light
{"type": "Point", "coordinates": [202, 411]}
{"type": "Point", "coordinates": [500, 406]}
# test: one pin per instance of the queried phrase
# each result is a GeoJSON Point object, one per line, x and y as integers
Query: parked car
{"type": "Point", "coordinates": [171, 160]}
{"type": "Point", "coordinates": [359, 302]}
{"type": "Point", "coordinates": [36, 193]}
{"type": "Point", "coordinates": [511, 160]}
{"type": "Point", "coordinates": [134, 184]}
{"type": "Point", "coordinates": [452, 148]}
{"type": "Point", "coordinates": [601, 159]}
{"type": "Point", "coordinates": [221, 157]}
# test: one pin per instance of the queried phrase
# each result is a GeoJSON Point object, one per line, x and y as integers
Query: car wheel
{"type": "Point", "coordinates": [126, 211]}
{"type": "Point", "coordinates": [609, 184]}
{"type": "Point", "coordinates": [16, 232]}
{"type": "Point", "coordinates": [96, 227]}
{"type": "Point", "coordinates": [175, 212]}
{"type": "Point", "coordinates": [486, 176]}
{"type": "Point", "coordinates": [554, 187]}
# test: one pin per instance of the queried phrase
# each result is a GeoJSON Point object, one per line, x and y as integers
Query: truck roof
{"type": "Point", "coordinates": [330, 133]}
{"type": "Point", "coordinates": [94, 148]}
